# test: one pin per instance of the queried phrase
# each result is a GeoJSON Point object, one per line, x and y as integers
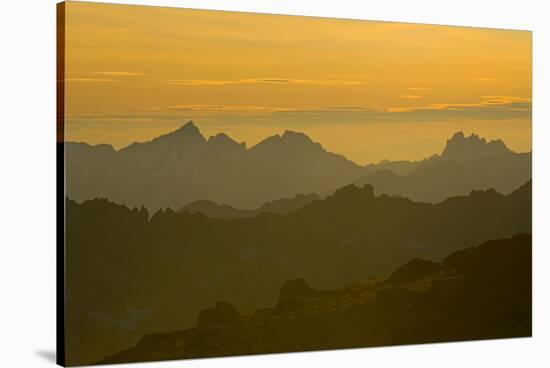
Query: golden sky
{"type": "Point", "coordinates": [368, 90]}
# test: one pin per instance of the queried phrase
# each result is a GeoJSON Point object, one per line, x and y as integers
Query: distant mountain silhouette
{"type": "Point", "coordinates": [183, 166]}
{"type": "Point", "coordinates": [459, 148]}
{"type": "Point", "coordinates": [281, 206]}
{"type": "Point", "coordinates": [463, 149]}
{"type": "Point", "coordinates": [476, 293]}
{"type": "Point", "coordinates": [466, 163]}
{"type": "Point", "coordinates": [130, 273]}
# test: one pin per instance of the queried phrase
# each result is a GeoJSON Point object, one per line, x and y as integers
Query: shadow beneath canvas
{"type": "Point", "coordinates": [48, 355]}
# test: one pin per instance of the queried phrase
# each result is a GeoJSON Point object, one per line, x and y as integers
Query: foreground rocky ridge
{"type": "Point", "coordinates": [476, 293]}
{"type": "Point", "coordinates": [130, 272]}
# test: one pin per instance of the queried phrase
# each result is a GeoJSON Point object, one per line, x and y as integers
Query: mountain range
{"type": "Point", "coordinates": [466, 163]}
{"type": "Point", "coordinates": [281, 206]}
{"type": "Point", "coordinates": [180, 168]}
{"type": "Point", "coordinates": [481, 292]}
{"type": "Point", "coordinates": [131, 272]}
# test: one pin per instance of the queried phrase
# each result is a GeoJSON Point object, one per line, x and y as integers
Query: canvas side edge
{"type": "Point", "coordinates": [60, 185]}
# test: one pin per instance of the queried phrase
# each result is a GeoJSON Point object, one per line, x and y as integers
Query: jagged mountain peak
{"type": "Point", "coordinates": [221, 137]}
{"type": "Point", "coordinates": [289, 139]}
{"type": "Point", "coordinates": [223, 140]}
{"type": "Point", "coordinates": [188, 129]}
{"type": "Point", "coordinates": [460, 136]}
{"type": "Point", "coordinates": [465, 148]}
{"type": "Point", "coordinates": [298, 137]}
{"type": "Point", "coordinates": [187, 135]}
{"type": "Point", "coordinates": [189, 125]}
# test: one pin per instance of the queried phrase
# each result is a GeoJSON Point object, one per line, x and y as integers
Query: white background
{"type": "Point", "coordinates": [27, 182]}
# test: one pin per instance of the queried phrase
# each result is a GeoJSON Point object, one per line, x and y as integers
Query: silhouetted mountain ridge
{"type": "Point", "coordinates": [281, 206]}
{"type": "Point", "coordinates": [183, 166]}
{"type": "Point", "coordinates": [466, 163]}
{"type": "Point", "coordinates": [487, 295]}
{"type": "Point", "coordinates": [223, 142]}
{"type": "Point", "coordinates": [462, 149]}
{"type": "Point", "coordinates": [170, 265]}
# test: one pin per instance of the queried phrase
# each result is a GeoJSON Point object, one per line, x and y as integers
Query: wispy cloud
{"type": "Point", "coordinates": [256, 109]}
{"type": "Point", "coordinates": [484, 79]}
{"type": "Point", "coordinates": [487, 108]}
{"type": "Point", "coordinates": [220, 108]}
{"type": "Point", "coordinates": [316, 82]}
{"type": "Point", "coordinates": [198, 82]}
{"type": "Point", "coordinates": [353, 76]}
{"type": "Point", "coordinates": [411, 97]}
{"type": "Point", "coordinates": [92, 80]}
{"type": "Point", "coordinates": [418, 88]}
{"type": "Point", "coordinates": [120, 74]}
{"type": "Point", "coordinates": [485, 101]}
{"type": "Point", "coordinates": [278, 81]}
{"type": "Point", "coordinates": [503, 99]}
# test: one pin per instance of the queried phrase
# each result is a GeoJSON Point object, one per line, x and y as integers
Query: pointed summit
{"type": "Point", "coordinates": [461, 148]}
{"type": "Point", "coordinates": [188, 132]}
{"type": "Point", "coordinates": [188, 128]}
{"type": "Point", "coordinates": [188, 135]}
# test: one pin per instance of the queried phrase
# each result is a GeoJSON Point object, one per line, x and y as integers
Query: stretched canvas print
{"type": "Point", "coordinates": [233, 183]}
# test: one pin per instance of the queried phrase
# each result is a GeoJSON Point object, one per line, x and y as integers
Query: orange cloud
{"type": "Point", "coordinates": [287, 81]}
{"type": "Point", "coordinates": [100, 80]}
{"type": "Point", "coordinates": [120, 74]}
{"type": "Point", "coordinates": [488, 80]}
